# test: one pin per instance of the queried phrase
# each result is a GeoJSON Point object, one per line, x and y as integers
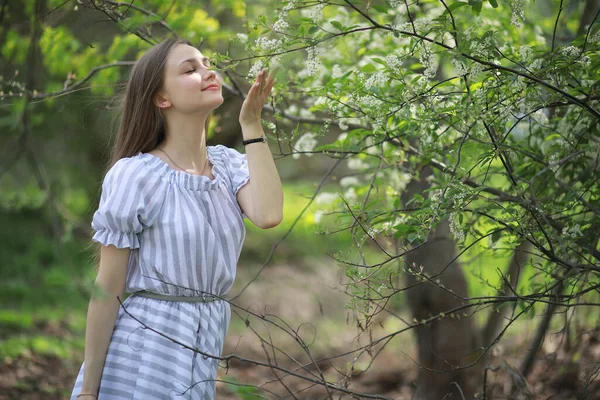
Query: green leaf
{"type": "Point", "coordinates": [368, 68]}
{"type": "Point", "coordinates": [381, 9]}
{"type": "Point", "coordinates": [403, 230]}
{"type": "Point", "coordinates": [456, 5]}
{"type": "Point", "coordinates": [337, 25]}
{"type": "Point", "coordinates": [476, 6]}
{"type": "Point", "coordinates": [494, 3]}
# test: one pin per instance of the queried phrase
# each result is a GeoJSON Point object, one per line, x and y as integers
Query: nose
{"type": "Point", "coordinates": [210, 73]}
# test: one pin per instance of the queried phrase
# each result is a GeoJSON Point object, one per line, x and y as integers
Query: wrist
{"type": "Point", "coordinates": [252, 129]}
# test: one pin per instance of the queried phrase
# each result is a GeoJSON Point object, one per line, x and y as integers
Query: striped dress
{"type": "Point", "coordinates": [186, 233]}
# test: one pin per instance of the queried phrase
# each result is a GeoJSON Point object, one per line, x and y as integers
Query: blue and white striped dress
{"type": "Point", "coordinates": [186, 233]}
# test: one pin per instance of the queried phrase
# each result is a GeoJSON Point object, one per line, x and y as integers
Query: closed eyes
{"type": "Point", "coordinates": [205, 63]}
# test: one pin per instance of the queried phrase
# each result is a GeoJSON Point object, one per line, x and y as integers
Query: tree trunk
{"type": "Point", "coordinates": [450, 342]}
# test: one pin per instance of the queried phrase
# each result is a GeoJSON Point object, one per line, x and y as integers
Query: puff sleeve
{"type": "Point", "coordinates": [129, 202]}
{"type": "Point", "coordinates": [237, 168]}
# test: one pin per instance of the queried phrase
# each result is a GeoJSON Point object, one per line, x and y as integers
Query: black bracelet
{"type": "Point", "coordinates": [260, 139]}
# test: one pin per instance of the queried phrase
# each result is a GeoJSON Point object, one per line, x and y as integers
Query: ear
{"type": "Point", "coordinates": [161, 102]}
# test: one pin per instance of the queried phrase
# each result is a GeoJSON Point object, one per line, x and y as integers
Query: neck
{"type": "Point", "coordinates": [185, 140]}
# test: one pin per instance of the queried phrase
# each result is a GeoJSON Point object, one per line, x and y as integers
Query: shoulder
{"type": "Point", "coordinates": [130, 172]}
{"type": "Point", "coordinates": [229, 156]}
{"type": "Point", "coordinates": [225, 152]}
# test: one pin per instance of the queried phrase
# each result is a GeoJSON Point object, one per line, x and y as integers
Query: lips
{"type": "Point", "coordinates": [213, 86]}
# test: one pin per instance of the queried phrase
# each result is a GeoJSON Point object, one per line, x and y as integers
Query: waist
{"type": "Point", "coordinates": [205, 298]}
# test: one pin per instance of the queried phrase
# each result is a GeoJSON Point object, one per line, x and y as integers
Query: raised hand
{"type": "Point", "coordinates": [257, 97]}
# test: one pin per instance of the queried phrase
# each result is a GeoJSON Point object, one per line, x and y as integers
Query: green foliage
{"type": "Point", "coordinates": [478, 101]}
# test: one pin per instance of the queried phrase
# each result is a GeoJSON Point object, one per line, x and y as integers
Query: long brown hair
{"type": "Point", "coordinates": [141, 125]}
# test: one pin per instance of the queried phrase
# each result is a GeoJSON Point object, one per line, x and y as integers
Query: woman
{"type": "Point", "coordinates": [170, 224]}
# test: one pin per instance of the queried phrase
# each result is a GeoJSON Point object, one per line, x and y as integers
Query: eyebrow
{"type": "Point", "coordinates": [193, 60]}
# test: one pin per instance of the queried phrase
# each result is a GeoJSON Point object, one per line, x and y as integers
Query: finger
{"type": "Point", "coordinates": [272, 74]}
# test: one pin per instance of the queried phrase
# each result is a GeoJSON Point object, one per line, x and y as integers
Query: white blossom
{"type": "Point", "coordinates": [585, 61]}
{"type": "Point", "coordinates": [258, 65]}
{"type": "Point", "coordinates": [398, 180]}
{"type": "Point", "coordinates": [342, 124]}
{"type": "Point", "coordinates": [536, 65]}
{"type": "Point", "coordinates": [242, 37]}
{"type": "Point", "coordinates": [375, 80]}
{"type": "Point", "coordinates": [267, 44]}
{"type": "Point", "coordinates": [526, 52]}
{"type": "Point", "coordinates": [455, 228]}
{"type": "Point", "coordinates": [280, 25]}
{"type": "Point", "coordinates": [517, 13]}
{"type": "Point", "coordinates": [306, 143]}
{"type": "Point", "coordinates": [476, 69]}
{"type": "Point", "coordinates": [350, 195]}
{"type": "Point", "coordinates": [573, 232]}
{"type": "Point", "coordinates": [357, 164]}
{"type": "Point", "coordinates": [290, 4]}
{"type": "Point", "coordinates": [570, 51]}
{"type": "Point", "coordinates": [349, 181]}
{"type": "Point", "coordinates": [336, 71]}
{"type": "Point", "coordinates": [427, 59]}
{"type": "Point", "coordinates": [312, 62]}
{"type": "Point", "coordinates": [314, 13]}
{"type": "Point", "coordinates": [393, 61]}
{"type": "Point", "coordinates": [325, 198]}
{"type": "Point", "coordinates": [459, 67]}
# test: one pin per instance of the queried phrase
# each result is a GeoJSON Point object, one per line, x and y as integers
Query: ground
{"type": "Point", "coordinates": [309, 298]}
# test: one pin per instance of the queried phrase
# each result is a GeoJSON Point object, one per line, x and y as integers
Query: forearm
{"type": "Point", "coordinates": [101, 317]}
{"type": "Point", "coordinates": [265, 187]}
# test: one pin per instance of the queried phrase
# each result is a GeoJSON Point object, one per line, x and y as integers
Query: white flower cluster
{"type": "Point", "coordinates": [307, 142]}
{"type": "Point", "coordinates": [481, 48]}
{"type": "Point", "coordinates": [336, 71]}
{"type": "Point", "coordinates": [290, 4]}
{"type": "Point", "coordinates": [536, 65]}
{"type": "Point", "coordinates": [312, 63]}
{"type": "Point", "coordinates": [398, 180]}
{"type": "Point", "coordinates": [553, 162]}
{"type": "Point", "coordinates": [280, 25]}
{"type": "Point", "coordinates": [258, 65]}
{"type": "Point", "coordinates": [476, 69]}
{"type": "Point", "coordinates": [395, 3]}
{"type": "Point", "coordinates": [349, 181]}
{"type": "Point", "coordinates": [241, 37]}
{"type": "Point", "coordinates": [517, 13]}
{"type": "Point", "coordinates": [428, 61]}
{"type": "Point", "coordinates": [459, 67]}
{"type": "Point", "coordinates": [595, 38]}
{"type": "Point", "coordinates": [325, 198]}
{"type": "Point", "coordinates": [356, 163]}
{"type": "Point", "coordinates": [585, 61]}
{"type": "Point", "coordinates": [541, 117]}
{"type": "Point", "coordinates": [393, 61]}
{"type": "Point", "coordinates": [573, 232]}
{"type": "Point", "coordinates": [314, 13]}
{"type": "Point", "coordinates": [267, 44]}
{"type": "Point", "coordinates": [570, 51]}
{"type": "Point", "coordinates": [455, 228]}
{"type": "Point", "coordinates": [526, 52]}
{"type": "Point", "coordinates": [375, 80]}
{"type": "Point", "coordinates": [342, 124]}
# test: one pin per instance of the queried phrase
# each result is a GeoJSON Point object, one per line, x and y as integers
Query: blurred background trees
{"type": "Point", "coordinates": [441, 168]}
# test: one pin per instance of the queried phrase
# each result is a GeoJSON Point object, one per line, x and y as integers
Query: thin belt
{"type": "Point", "coordinates": [197, 299]}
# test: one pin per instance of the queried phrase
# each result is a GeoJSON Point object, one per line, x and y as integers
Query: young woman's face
{"type": "Point", "coordinates": [188, 76]}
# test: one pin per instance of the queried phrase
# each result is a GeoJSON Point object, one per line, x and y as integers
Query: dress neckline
{"type": "Point", "coordinates": [183, 178]}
